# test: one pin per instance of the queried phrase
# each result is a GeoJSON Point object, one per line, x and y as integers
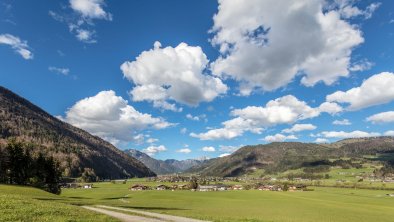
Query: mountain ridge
{"type": "Point", "coordinates": [74, 148]}
{"type": "Point", "coordinates": [281, 156]}
{"type": "Point", "coordinates": [161, 167]}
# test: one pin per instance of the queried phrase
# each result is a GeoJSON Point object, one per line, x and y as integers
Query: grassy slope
{"type": "Point", "coordinates": [323, 204]}
{"type": "Point", "coordinates": [30, 204]}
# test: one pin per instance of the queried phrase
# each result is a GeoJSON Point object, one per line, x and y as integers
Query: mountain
{"type": "Point", "coordinates": [157, 166]}
{"type": "Point", "coordinates": [162, 167]}
{"type": "Point", "coordinates": [281, 156]}
{"type": "Point", "coordinates": [74, 148]}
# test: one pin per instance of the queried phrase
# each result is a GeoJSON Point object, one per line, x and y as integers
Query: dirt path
{"type": "Point", "coordinates": [161, 217]}
{"type": "Point", "coordinates": [123, 217]}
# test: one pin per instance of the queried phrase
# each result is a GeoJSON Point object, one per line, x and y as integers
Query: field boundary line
{"type": "Point", "coordinates": [156, 215]}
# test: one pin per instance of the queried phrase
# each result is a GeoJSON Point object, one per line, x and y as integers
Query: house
{"type": "Point", "coordinates": [183, 187]}
{"type": "Point", "coordinates": [70, 185]}
{"type": "Point", "coordinates": [162, 187]}
{"type": "Point", "coordinates": [138, 187]}
{"type": "Point", "coordinates": [216, 187]}
{"type": "Point", "coordinates": [87, 186]}
{"type": "Point", "coordinates": [237, 187]}
{"type": "Point", "coordinates": [265, 187]}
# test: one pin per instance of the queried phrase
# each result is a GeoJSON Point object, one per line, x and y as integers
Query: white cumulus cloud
{"type": "Point", "coordinates": [389, 133]}
{"type": "Point", "coordinates": [92, 9]}
{"type": "Point", "coordinates": [279, 138]}
{"type": "Point", "coordinates": [266, 43]}
{"type": "Point", "coordinates": [81, 21]}
{"type": "Point", "coordinates": [353, 134]}
{"type": "Point", "coordinates": [110, 117]}
{"type": "Point", "coordinates": [18, 45]}
{"type": "Point", "coordinates": [344, 122]}
{"type": "Point", "coordinates": [284, 110]}
{"type": "Point", "coordinates": [299, 128]}
{"type": "Point", "coordinates": [377, 89]}
{"type": "Point", "coordinates": [184, 150]}
{"type": "Point", "coordinates": [321, 140]}
{"type": "Point", "coordinates": [162, 75]}
{"type": "Point", "coordinates": [208, 149]}
{"type": "Point", "coordinates": [152, 150]}
{"type": "Point", "coordinates": [347, 9]}
{"type": "Point", "coordinates": [384, 117]}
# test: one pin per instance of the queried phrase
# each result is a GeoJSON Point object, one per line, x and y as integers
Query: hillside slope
{"type": "Point", "coordinates": [74, 148]}
{"type": "Point", "coordinates": [280, 156]}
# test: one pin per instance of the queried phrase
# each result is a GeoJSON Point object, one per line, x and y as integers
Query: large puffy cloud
{"type": "Point", "coordinates": [384, 117]}
{"type": "Point", "coordinates": [284, 110]}
{"type": "Point", "coordinates": [17, 44]}
{"type": "Point", "coordinates": [299, 128]}
{"type": "Point", "coordinates": [279, 138]}
{"type": "Point", "coordinates": [110, 117]}
{"type": "Point", "coordinates": [164, 74]}
{"type": "Point", "coordinates": [353, 134]}
{"type": "Point", "coordinates": [377, 89]}
{"type": "Point", "coordinates": [265, 44]}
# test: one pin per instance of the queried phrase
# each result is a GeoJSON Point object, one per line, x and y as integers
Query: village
{"type": "Point", "coordinates": [220, 187]}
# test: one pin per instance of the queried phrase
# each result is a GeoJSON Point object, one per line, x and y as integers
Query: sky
{"type": "Point", "coordinates": [191, 79]}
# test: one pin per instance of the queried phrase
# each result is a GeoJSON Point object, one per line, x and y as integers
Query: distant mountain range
{"type": "Point", "coordinates": [277, 157]}
{"type": "Point", "coordinates": [162, 167]}
{"type": "Point", "coordinates": [74, 148]}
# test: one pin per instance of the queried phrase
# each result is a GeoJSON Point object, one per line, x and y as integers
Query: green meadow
{"type": "Point", "coordinates": [19, 203]}
{"type": "Point", "coordinates": [322, 204]}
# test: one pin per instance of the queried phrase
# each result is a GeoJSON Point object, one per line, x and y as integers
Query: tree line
{"type": "Point", "coordinates": [20, 167]}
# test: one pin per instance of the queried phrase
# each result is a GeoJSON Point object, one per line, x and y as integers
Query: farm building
{"type": "Point", "coordinates": [87, 186]}
{"type": "Point", "coordinates": [211, 188]}
{"type": "Point", "coordinates": [138, 187]}
{"type": "Point", "coordinates": [162, 187]}
{"type": "Point", "coordinates": [237, 187]}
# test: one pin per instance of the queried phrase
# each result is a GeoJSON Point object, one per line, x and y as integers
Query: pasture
{"type": "Point", "coordinates": [19, 203]}
{"type": "Point", "coordinates": [323, 204]}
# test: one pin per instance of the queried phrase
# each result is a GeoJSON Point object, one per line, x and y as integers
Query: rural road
{"type": "Point", "coordinates": [151, 217]}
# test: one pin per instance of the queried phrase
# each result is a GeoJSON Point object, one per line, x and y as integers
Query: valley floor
{"type": "Point", "coordinates": [322, 204]}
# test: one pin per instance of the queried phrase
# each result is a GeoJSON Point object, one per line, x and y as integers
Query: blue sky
{"type": "Point", "coordinates": [184, 80]}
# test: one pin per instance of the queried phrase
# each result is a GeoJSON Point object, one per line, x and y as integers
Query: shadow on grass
{"type": "Point", "coordinates": [115, 198]}
{"type": "Point", "coordinates": [51, 199]}
{"type": "Point", "coordinates": [80, 198]}
{"type": "Point", "coordinates": [153, 208]}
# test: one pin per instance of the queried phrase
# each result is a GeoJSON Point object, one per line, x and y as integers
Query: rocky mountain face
{"type": "Point", "coordinates": [74, 148]}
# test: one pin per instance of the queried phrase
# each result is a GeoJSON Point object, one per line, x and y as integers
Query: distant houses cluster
{"type": "Point", "coordinates": [77, 185]}
{"type": "Point", "coordinates": [219, 187]}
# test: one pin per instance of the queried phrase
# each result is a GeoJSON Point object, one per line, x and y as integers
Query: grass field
{"type": "Point", "coordinates": [30, 204]}
{"type": "Point", "coordinates": [323, 204]}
